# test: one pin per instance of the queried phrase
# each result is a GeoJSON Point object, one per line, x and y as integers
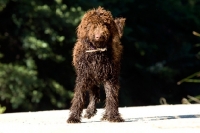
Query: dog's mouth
{"type": "Point", "coordinates": [96, 47]}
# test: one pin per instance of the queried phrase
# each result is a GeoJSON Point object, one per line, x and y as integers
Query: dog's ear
{"type": "Point", "coordinates": [120, 23]}
{"type": "Point", "coordinates": [82, 27]}
{"type": "Point", "coordinates": [81, 31]}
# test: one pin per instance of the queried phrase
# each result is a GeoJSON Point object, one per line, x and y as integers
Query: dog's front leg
{"type": "Point", "coordinates": [111, 108]}
{"type": "Point", "coordinates": [77, 103]}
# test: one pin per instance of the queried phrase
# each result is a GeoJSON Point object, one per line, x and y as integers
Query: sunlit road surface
{"type": "Point", "coordinates": [146, 119]}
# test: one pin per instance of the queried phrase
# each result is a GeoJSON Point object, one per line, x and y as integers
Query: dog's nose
{"type": "Point", "coordinates": [97, 36]}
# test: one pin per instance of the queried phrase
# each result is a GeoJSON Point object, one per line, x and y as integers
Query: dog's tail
{"type": "Point", "coordinates": [120, 23]}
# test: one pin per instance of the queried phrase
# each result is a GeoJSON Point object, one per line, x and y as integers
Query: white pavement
{"type": "Point", "coordinates": [146, 119]}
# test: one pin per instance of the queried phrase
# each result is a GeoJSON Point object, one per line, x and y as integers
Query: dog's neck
{"type": "Point", "coordinates": [92, 48]}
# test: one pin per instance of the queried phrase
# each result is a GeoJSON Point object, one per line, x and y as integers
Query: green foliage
{"type": "Point", "coordinates": [17, 83]}
{"type": "Point", "coordinates": [2, 109]}
{"type": "Point", "coordinates": [191, 78]}
{"type": "Point", "coordinates": [195, 75]}
{"type": "Point", "coordinates": [37, 37]}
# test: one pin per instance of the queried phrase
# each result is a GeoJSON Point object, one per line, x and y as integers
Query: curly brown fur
{"type": "Point", "coordinates": [97, 30]}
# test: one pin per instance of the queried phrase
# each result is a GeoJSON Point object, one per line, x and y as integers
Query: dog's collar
{"type": "Point", "coordinates": [93, 49]}
{"type": "Point", "coordinates": [96, 50]}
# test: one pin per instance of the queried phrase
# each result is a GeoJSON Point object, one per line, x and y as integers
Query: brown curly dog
{"type": "Point", "coordinates": [96, 58]}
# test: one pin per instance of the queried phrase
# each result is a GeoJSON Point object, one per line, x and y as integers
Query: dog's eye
{"type": "Point", "coordinates": [107, 26]}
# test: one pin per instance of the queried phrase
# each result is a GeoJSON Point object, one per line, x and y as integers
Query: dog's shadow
{"type": "Point", "coordinates": [155, 118]}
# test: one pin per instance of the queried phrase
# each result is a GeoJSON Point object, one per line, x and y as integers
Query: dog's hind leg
{"type": "Point", "coordinates": [94, 94]}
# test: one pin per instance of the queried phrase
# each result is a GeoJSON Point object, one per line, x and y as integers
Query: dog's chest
{"type": "Point", "coordinates": [100, 66]}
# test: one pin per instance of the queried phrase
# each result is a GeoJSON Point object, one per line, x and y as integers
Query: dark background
{"type": "Point", "coordinates": [37, 37]}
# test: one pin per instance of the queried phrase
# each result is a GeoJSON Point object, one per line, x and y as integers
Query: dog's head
{"type": "Point", "coordinates": [97, 27]}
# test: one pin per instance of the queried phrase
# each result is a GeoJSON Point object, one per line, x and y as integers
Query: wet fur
{"type": "Point", "coordinates": [95, 68]}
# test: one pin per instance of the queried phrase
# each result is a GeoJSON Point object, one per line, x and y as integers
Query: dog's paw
{"type": "Point", "coordinates": [73, 120]}
{"type": "Point", "coordinates": [104, 118]}
{"type": "Point", "coordinates": [117, 118]}
{"type": "Point", "coordinates": [90, 114]}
